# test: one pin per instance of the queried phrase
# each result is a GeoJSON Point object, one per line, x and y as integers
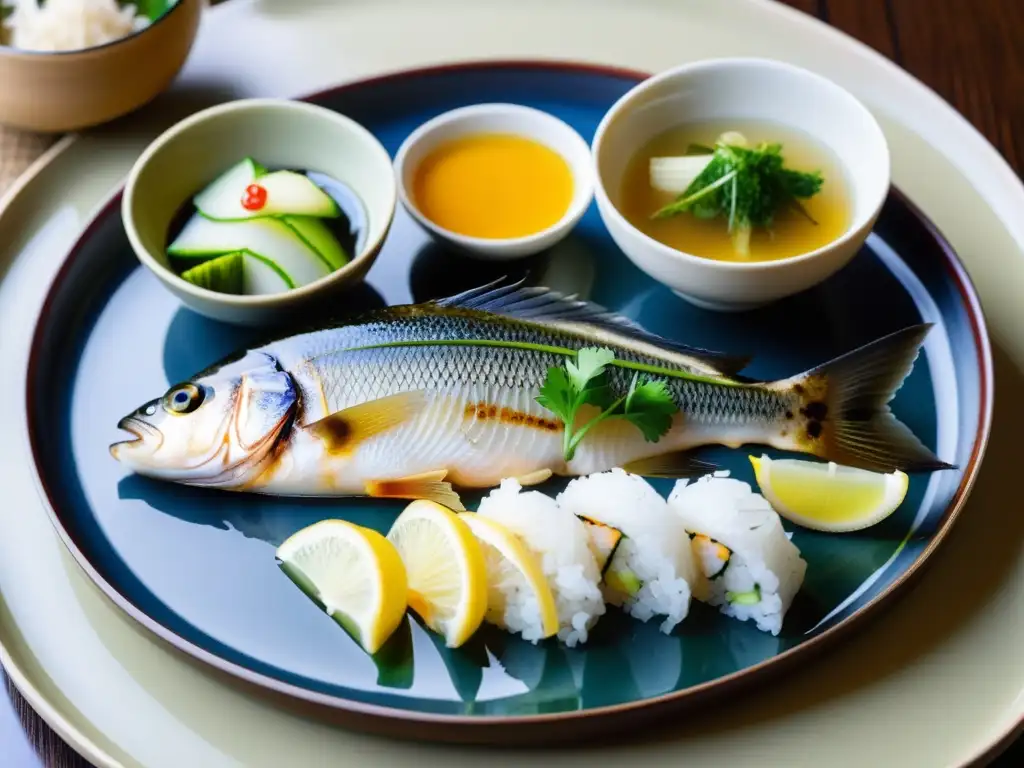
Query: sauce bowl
{"type": "Point", "coordinates": [749, 90]}
{"type": "Point", "coordinates": [511, 119]}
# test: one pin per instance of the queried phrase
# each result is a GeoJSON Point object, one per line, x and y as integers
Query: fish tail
{"type": "Point", "coordinates": [845, 403]}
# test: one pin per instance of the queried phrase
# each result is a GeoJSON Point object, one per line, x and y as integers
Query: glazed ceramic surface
{"type": "Point", "coordinates": [882, 696]}
{"type": "Point", "coordinates": [198, 567]}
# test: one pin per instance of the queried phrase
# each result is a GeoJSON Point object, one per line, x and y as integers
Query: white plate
{"type": "Point", "coordinates": [935, 681]}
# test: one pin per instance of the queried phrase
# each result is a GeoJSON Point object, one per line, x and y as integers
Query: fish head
{"type": "Point", "coordinates": [218, 428]}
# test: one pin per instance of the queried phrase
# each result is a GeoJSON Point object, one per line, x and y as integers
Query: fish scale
{"type": "Point", "coordinates": [396, 369]}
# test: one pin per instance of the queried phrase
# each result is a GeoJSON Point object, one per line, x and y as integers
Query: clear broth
{"type": "Point", "coordinates": [791, 234]}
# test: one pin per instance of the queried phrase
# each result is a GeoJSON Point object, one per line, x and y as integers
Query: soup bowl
{"type": "Point", "coordinates": [748, 90]}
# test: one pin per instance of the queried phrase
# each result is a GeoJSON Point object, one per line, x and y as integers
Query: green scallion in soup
{"type": "Point", "coordinates": [736, 191]}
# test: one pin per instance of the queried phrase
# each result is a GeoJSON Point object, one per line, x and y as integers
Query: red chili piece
{"type": "Point", "coordinates": [255, 197]}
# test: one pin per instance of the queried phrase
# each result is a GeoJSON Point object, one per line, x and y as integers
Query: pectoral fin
{"type": "Point", "coordinates": [343, 431]}
{"type": "Point", "coordinates": [670, 465]}
{"type": "Point", "coordinates": [428, 485]}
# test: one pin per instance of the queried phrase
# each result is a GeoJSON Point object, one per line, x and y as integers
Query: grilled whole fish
{"type": "Point", "coordinates": [409, 401]}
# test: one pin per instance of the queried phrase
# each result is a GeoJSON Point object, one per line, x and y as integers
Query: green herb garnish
{"type": "Point", "coordinates": [648, 404]}
{"type": "Point", "coordinates": [153, 9]}
{"type": "Point", "coordinates": [746, 185]}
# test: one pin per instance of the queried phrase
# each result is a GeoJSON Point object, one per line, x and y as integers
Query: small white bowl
{"type": "Point", "coordinates": [279, 133]}
{"type": "Point", "coordinates": [506, 119]}
{"type": "Point", "coordinates": [742, 89]}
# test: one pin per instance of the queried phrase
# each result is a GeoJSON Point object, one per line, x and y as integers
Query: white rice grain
{"type": "Point", "coordinates": [763, 559]}
{"type": "Point", "coordinates": [560, 542]}
{"type": "Point", "coordinates": [70, 25]}
{"type": "Point", "coordinates": [511, 603]}
{"type": "Point", "coordinates": [655, 546]}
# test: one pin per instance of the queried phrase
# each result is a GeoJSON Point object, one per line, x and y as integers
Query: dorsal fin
{"type": "Point", "coordinates": [543, 305]}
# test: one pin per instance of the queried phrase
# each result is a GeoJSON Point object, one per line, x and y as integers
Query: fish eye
{"type": "Point", "coordinates": [183, 398]}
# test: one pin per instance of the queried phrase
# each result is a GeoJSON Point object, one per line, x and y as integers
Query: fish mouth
{"type": "Point", "coordinates": [140, 432]}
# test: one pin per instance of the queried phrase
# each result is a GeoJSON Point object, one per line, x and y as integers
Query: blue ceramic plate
{"type": "Point", "coordinates": [198, 568]}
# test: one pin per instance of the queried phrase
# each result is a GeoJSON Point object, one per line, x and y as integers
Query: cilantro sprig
{"type": "Point", "coordinates": [746, 185]}
{"type": "Point", "coordinates": [648, 403]}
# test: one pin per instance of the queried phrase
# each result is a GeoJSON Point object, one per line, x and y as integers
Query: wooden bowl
{"type": "Point", "coordinates": [64, 91]}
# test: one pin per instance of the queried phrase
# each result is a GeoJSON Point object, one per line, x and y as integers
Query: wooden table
{"type": "Point", "coordinates": [971, 53]}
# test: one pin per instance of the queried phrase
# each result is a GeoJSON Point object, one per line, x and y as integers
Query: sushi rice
{"type": "Point", "coordinates": [749, 567]}
{"type": "Point", "coordinates": [511, 605]}
{"type": "Point", "coordinates": [519, 599]}
{"type": "Point", "coordinates": [560, 542]}
{"type": "Point", "coordinates": [652, 570]}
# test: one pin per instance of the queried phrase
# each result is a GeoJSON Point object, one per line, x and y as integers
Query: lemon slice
{"type": "Point", "coordinates": [447, 575]}
{"type": "Point", "coordinates": [513, 572]}
{"type": "Point", "coordinates": [354, 572]}
{"type": "Point", "coordinates": [829, 497]}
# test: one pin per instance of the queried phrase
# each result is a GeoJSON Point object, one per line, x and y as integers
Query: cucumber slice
{"type": "Point", "coordinates": [319, 238]}
{"type": "Point", "coordinates": [230, 185]}
{"type": "Point", "coordinates": [293, 193]}
{"type": "Point", "coordinates": [262, 276]}
{"type": "Point", "coordinates": [624, 581]}
{"type": "Point", "coordinates": [222, 274]}
{"type": "Point", "coordinates": [753, 597]}
{"type": "Point", "coordinates": [268, 238]}
{"type": "Point", "coordinates": [287, 193]}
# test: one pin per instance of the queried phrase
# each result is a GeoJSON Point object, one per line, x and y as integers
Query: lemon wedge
{"type": "Point", "coordinates": [513, 572]}
{"type": "Point", "coordinates": [447, 574]}
{"type": "Point", "coordinates": [829, 497]}
{"type": "Point", "coordinates": [354, 572]}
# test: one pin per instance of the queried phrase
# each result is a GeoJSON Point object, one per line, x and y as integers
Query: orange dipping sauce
{"type": "Point", "coordinates": [493, 186]}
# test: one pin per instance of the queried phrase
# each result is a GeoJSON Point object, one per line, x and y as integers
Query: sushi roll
{"type": "Point", "coordinates": [651, 569]}
{"type": "Point", "coordinates": [748, 566]}
{"type": "Point", "coordinates": [519, 599]}
{"type": "Point", "coordinates": [559, 540]}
